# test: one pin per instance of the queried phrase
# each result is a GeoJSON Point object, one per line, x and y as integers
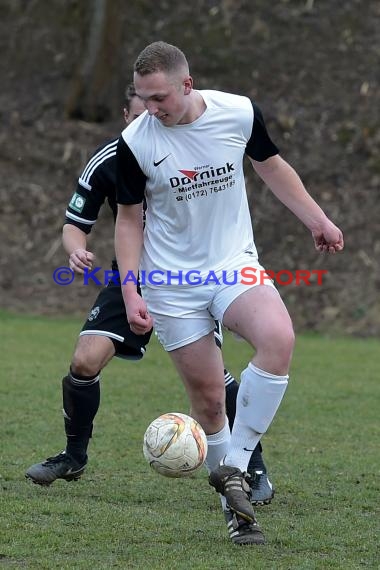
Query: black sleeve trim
{"type": "Point", "coordinates": [260, 146]}
{"type": "Point", "coordinates": [85, 228]}
{"type": "Point", "coordinates": [130, 179]}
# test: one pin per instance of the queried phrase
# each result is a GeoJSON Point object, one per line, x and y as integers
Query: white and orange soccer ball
{"type": "Point", "coordinates": [175, 445]}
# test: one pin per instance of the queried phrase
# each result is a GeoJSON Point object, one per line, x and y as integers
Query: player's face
{"type": "Point", "coordinates": [136, 107]}
{"type": "Point", "coordinates": [164, 96]}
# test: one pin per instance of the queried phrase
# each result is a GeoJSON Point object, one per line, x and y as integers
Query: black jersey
{"type": "Point", "coordinates": [96, 184]}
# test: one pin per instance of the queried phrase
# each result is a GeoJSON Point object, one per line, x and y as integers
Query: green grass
{"type": "Point", "coordinates": [322, 452]}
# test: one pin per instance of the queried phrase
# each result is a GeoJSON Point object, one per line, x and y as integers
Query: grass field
{"type": "Point", "coordinates": [322, 451]}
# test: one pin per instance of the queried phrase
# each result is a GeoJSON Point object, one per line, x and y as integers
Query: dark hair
{"type": "Point", "coordinates": [129, 93]}
{"type": "Point", "coordinates": [160, 56]}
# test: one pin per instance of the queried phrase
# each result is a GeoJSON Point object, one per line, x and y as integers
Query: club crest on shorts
{"type": "Point", "coordinates": [93, 313]}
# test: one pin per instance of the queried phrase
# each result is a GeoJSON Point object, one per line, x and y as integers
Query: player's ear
{"type": "Point", "coordinates": [126, 114]}
{"type": "Point", "coordinates": [187, 85]}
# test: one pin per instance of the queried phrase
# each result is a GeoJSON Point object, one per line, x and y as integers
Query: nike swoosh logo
{"type": "Point", "coordinates": [245, 449]}
{"type": "Point", "coordinates": [162, 160]}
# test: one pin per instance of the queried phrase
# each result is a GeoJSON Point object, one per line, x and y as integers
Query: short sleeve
{"type": "Point", "coordinates": [130, 179]}
{"type": "Point", "coordinates": [260, 146]}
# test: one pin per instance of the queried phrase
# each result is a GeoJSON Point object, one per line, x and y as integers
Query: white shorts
{"type": "Point", "coordinates": [183, 314]}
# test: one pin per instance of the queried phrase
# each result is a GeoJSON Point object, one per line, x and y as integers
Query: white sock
{"type": "Point", "coordinates": [217, 447]}
{"type": "Point", "coordinates": [258, 399]}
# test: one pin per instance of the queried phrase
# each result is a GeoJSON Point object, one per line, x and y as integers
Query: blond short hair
{"type": "Point", "coordinates": [160, 56]}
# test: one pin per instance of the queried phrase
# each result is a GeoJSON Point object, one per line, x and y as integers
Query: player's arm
{"type": "Point", "coordinates": [129, 235]}
{"type": "Point", "coordinates": [128, 246]}
{"type": "Point", "coordinates": [74, 241]}
{"type": "Point", "coordinates": [287, 186]}
{"type": "Point", "coordinates": [94, 185]}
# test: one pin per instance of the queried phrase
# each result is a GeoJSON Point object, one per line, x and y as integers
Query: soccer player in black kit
{"type": "Point", "coordinates": [106, 332]}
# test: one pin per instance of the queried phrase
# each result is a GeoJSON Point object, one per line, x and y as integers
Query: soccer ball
{"type": "Point", "coordinates": [175, 445]}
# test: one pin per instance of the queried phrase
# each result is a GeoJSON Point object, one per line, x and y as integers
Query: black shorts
{"type": "Point", "coordinates": [108, 318]}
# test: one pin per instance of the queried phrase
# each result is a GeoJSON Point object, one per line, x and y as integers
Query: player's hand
{"type": "Point", "coordinates": [138, 316]}
{"type": "Point", "coordinates": [328, 239]}
{"type": "Point", "coordinates": [81, 259]}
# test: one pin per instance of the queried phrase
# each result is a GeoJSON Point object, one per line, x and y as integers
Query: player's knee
{"type": "Point", "coordinates": [284, 344]}
{"type": "Point", "coordinates": [92, 353]}
{"type": "Point", "coordinates": [287, 342]}
{"type": "Point", "coordinates": [84, 364]}
{"type": "Point", "coordinates": [276, 350]}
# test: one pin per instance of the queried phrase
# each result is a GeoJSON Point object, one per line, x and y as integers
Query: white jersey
{"type": "Point", "coordinates": [192, 177]}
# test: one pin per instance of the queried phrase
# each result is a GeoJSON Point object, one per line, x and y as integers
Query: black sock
{"type": "Point", "coordinates": [256, 462]}
{"type": "Point", "coordinates": [232, 388]}
{"type": "Point", "coordinates": [81, 398]}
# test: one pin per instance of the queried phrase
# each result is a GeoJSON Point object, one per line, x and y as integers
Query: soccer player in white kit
{"type": "Point", "coordinates": [185, 157]}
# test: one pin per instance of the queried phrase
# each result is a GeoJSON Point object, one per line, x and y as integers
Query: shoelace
{"type": "Point", "coordinates": [57, 458]}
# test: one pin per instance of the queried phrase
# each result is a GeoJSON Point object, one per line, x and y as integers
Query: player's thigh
{"type": "Point", "coordinates": [260, 316]}
{"type": "Point", "coordinates": [91, 354]}
{"type": "Point", "coordinates": [200, 364]}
